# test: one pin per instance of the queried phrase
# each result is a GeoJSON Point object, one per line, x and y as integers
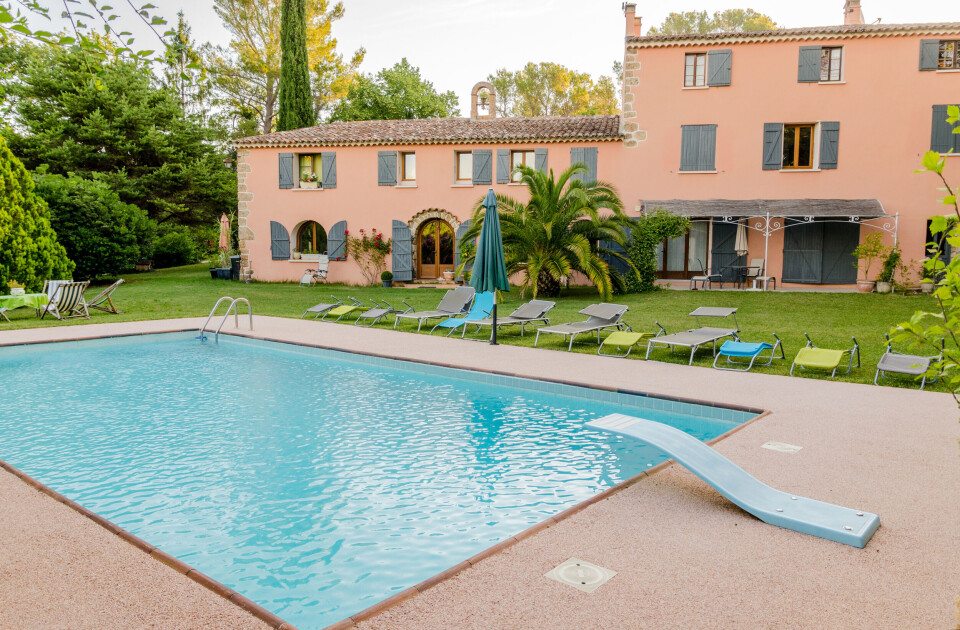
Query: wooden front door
{"type": "Point", "coordinates": [435, 246]}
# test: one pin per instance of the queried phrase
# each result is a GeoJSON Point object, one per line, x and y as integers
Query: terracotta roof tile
{"type": "Point", "coordinates": [809, 32]}
{"type": "Point", "coordinates": [444, 131]}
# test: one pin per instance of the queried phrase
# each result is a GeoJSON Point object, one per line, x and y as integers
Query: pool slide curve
{"type": "Point", "coordinates": [808, 516]}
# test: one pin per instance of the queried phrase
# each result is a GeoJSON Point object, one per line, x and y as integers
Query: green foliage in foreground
{"type": "Point", "coordinates": [830, 318]}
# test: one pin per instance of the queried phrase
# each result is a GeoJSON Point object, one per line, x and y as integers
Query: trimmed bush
{"type": "Point", "coordinates": [172, 250]}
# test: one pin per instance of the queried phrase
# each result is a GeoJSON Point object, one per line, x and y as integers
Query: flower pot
{"type": "Point", "coordinates": [296, 255]}
{"type": "Point", "coordinates": [223, 273]}
{"type": "Point", "coordinates": [865, 286]}
{"type": "Point", "coordinates": [18, 291]}
{"type": "Point", "coordinates": [213, 273]}
{"type": "Point", "coordinates": [884, 287]}
{"type": "Point", "coordinates": [926, 288]}
{"type": "Point", "coordinates": [448, 276]}
{"type": "Point", "coordinates": [309, 185]}
{"type": "Point", "coordinates": [387, 283]}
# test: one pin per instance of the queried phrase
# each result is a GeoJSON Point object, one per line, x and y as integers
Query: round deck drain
{"type": "Point", "coordinates": [581, 575]}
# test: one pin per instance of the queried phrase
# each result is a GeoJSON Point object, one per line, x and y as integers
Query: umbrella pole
{"type": "Point", "coordinates": [493, 337]}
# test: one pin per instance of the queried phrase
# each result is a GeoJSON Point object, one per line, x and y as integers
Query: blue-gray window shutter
{"type": "Point", "coordinates": [337, 241]}
{"type": "Point", "coordinates": [590, 159]}
{"type": "Point", "coordinates": [616, 263]}
{"type": "Point", "coordinates": [809, 68]}
{"type": "Point", "coordinates": [708, 148]}
{"type": "Point", "coordinates": [540, 160]}
{"type": "Point", "coordinates": [329, 169]}
{"type": "Point", "coordinates": [402, 248]}
{"type": "Point", "coordinates": [483, 166]}
{"type": "Point", "coordinates": [503, 166]}
{"type": "Point", "coordinates": [772, 146]}
{"type": "Point", "coordinates": [279, 242]}
{"type": "Point", "coordinates": [942, 138]}
{"type": "Point", "coordinates": [689, 147]}
{"type": "Point", "coordinates": [456, 251]}
{"type": "Point", "coordinates": [577, 157]}
{"type": "Point", "coordinates": [386, 168]}
{"type": "Point", "coordinates": [718, 67]}
{"type": "Point", "coordinates": [929, 54]}
{"type": "Point", "coordinates": [286, 170]}
{"type": "Point", "coordinates": [829, 144]}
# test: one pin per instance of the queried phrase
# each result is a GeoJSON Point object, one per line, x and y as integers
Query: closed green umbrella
{"type": "Point", "coordinates": [489, 271]}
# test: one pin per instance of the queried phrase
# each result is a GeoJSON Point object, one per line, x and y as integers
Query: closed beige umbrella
{"type": "Point", "coordinates": [740, 245]}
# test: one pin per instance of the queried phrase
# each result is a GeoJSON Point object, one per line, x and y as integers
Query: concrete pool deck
{"type": "Point", "coordinates": [684, 556]}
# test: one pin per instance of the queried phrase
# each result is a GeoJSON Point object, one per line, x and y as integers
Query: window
{"type": "Point", "coordinates": [312, 238]}
{"type": "Point", "coordinates": [464, 167]}
{"type": "Point", "coordinates": [831, 59]}
{"type": "Point", "coordinates": [695, 71]}
{"type": "Point", "coordinates": [942, 136]}
{"type": "Point", "coordinates": [698, 147]}
{"type": "Point", "coordinates": [797, 146]}
{"type": "Point", "coordinates": [408, 167]}
{"type": "Point", "coordinates": [518, 158]}
{"type": "Point", "coordinates": [310, 171]}
{"type": "Point", "coordinates": [949, 58]}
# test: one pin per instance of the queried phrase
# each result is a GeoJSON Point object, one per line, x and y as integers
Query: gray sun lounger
{"type": "Point", "coordinates": [909, 364]}
{"type": "Point", "coordinates": [322, 308]}
{"type": "Point", "coordinates": [380, 310]}
{"type": "Point", "coordinates": [703, 335]}
{"type": "Point", "coordinates": [532, 311]}
{"type": "Point", "coordinates": [453, 303]}
{"type": "Point", "coordinates": [599, 317]}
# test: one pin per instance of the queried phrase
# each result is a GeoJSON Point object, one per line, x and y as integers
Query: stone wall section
{"type": "Point", "coordinates": [245, 235]}
{"type": "Point", "coordinates": [630, 119]}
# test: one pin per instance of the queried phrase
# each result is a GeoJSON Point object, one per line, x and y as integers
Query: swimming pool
{"type": "Point", "coordinates": [314, 482]}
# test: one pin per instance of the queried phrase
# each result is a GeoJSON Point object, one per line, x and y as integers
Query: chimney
{"type": "Point", "coordinates": [852, 13]}
{"type": "Point", "coordinates": [633, 22]}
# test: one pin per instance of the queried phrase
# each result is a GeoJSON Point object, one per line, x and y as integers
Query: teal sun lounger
{"type": "Point", "coordinates": [741, 355]}
{"type": "Point", "coordinates": [807, 516]}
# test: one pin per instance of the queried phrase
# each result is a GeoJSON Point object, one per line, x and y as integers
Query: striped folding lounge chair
{"type": "Point", "coordinates": [812, 357]}
{"type": "Point", "coordinates": [103, 302]}
{"type": "Point", "coordinates": [67, 302]}
{"type": "Point", "coordinates": [453, 303]}
{"type": "Point", "coordinates": [738, 352]}
{"type": "Point", "coordinates": [599, 317]}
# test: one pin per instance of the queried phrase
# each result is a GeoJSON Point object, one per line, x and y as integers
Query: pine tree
{"type": "Point", "coordinates": [296, 100]}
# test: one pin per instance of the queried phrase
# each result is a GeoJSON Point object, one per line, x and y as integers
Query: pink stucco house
{"type": "Point", "coordinates": [809, 137]}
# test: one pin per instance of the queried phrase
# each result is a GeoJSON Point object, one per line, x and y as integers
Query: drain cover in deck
{"type": "Point", "coordinates": [580, 575]}
{"type": "Point", "coordinates": [790, 449]}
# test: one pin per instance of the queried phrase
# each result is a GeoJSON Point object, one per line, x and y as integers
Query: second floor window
{"type": "Point", "coordinates": [310, 171]}
{"type": "Point", "coordinates": [464, 166]}
{"type": "Point", "coordinates": [949, 54]}
{"type": "Point", "coordinates": [518, 158]}
{"type": "Point", "coordinates": [797, 146]}
{"type": "Point", "coordinates": [408, 167]}
{"type": "Point", "coordinates": [695, 70]}
{"type": "Point", "coordinates": [831, 58]}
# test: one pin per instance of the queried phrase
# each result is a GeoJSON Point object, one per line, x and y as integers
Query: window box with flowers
{"type": "Point", "coordinates": [309, 181]}
{"type": "Point", "coordinates": [370, 253]}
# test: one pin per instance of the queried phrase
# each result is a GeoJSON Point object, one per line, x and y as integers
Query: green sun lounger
{"type": "Point", "coordinates": [343, 310]}
{"type": "Point", "coordinates": [621, 339]}
{"type": "Point", "coordinates": [812, 357]}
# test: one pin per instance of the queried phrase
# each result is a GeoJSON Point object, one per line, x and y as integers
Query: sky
{"type": "Point", "coordinates": [457, 43]}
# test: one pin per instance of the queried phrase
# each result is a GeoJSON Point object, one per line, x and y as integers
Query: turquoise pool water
{"type": "Point", "coordinates": [316, 483]}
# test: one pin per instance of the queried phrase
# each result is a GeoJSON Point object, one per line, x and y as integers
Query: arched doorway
{"type": "Point", "coordinates": [435, 244]}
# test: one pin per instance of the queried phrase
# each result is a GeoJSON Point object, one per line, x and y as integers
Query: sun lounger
{"type": "Point", "coordinates": [454, 302]}
{"type": "Point", "coordinates": [323, 307]}
{"type": "Point", "coordinates": [532, 311]}
{"type": "Point", "coordinates": [696, 337]}
{"type": "Point", "coordinates": [812, 357]}
{"type": "Point", "coordinates": [909, 364]}
{"type": "Point", "coordinates": [343, 310]}
{"type": "Point", "coordinates": [104, 298]}
{"type": "Point", "coordinates": [380, 310]}
{"type": "Point", "coordinates": [599, 317]}
{"type": "Point", "coordinates": [67, 301]}
{"type": "Point", "coordinates": [622, 339]}
{"type": "Point", "coordinates": [742, 350]}
{"type": "Point", "coordinates": [482, 307]}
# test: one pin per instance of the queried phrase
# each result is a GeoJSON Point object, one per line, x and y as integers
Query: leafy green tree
{"type": "Point", "coordinates": [122, 127]}
{"type": "Point", "coordinates": [296, 109]}
{"type": "Point", "coordinates": [183, 70]}
{"type": "Point", "coordinates": [29, 250]}
{"type": "Point", "coordinates": [700, 22]}
{"type": "Point", "coordinates": [393, 94]}
{"type": "Point", "coordinates": [102, 235]}
{"type": "Point", "coordinates": [556, 232]}
{"type": "Point", "coordinates": [646, 234]}
{"type": "Point", "coordinates": [549, 89]}
{"type": "Point", "coordinates": [173, 249]}
{"type": "Point", "coordinates": [247, 74]}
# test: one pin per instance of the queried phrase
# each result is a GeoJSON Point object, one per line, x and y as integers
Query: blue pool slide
{"type": "Point", "coordinates": [808, 516]}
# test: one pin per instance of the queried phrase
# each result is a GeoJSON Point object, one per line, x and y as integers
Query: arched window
{"type": "Point", "coordinates": [312, 238]}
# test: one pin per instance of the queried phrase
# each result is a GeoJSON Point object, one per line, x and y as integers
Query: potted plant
{"type": "Point", "coordinates": [16, 288]}
{"type": "Point", "coordinates": [309, 181]}
{"type": "Point", "coordinates": [888, 271]}
{"type": "Point", "coordinates": [448, 276]}
{"type": "Point", "coordinates": [926, 282]}
{"type": "Point", "coordinates": [387, 278]}
{"type": "Point", "coordinates": [869, 250]}
{"type": "Point", "coordinates": [296, 255]}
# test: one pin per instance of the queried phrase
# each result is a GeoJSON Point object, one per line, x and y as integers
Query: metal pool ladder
{"type": "Point", "coordinates": [232, 307]}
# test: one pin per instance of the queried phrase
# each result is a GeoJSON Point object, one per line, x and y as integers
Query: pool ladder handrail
{"type": "Point", "coordinates": [236, 318]}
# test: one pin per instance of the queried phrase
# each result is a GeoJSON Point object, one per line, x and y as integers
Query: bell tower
{"type": "Point", "coordinates": [483, 101]}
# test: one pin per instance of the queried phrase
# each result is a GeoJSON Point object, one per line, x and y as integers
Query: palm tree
{"type": "Point", "coordinates": [558, 231]}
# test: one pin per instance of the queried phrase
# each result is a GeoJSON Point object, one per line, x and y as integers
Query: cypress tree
{"type": "Point", "coordinates": [296, 101]}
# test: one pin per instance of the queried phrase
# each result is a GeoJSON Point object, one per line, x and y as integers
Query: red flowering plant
{"type": "Point", "coordinates": [370, 253]}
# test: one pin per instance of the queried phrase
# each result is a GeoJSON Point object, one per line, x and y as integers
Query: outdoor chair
{"type": "Point", "coordinates": [753, 270]}
{"type": "Point", "coordinates": [700, 336]}
{"type": "Point", "coordinates": [322, 308]}
{"type": "Point", "coordinates": [532, 311]}
{"type": "Point", "coordinates": [761, 277]}
{"type": "Point", "coordinates": [621, 339]}
{"type": "Point", "coordinates": [380, 310]}
{"type": "Point", "coordinates": [481, 308]}
{"type": "Point", "coordinates": [50, 288]}
{"type": "Point", "coordinates": [67, 301]}
{"type": "Point", "coordinates": [705, 279]}
{"type": "Point", "coordinates": [909, 364]}
{"type": "Point", "coordinates": [599, 317]}
{"type": "Point", "coordinates": [453, 303]}
{"type": "Point", "coordinates": [812, 357]}
{"type": "Point", "coordinates": [742, 350]}
{"type": "Point", "coordinates": [342, 310]}
{"type": "Point", "coordinates": [103, 302]}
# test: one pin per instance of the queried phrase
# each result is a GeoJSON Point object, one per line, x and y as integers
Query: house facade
{"type": "Point", "coordinates": [807, 137]}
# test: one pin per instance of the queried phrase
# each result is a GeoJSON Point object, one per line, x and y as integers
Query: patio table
{"type": "Point", "coordinates": [33, 300]}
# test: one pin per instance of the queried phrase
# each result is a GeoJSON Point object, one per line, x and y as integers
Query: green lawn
{"type": "Point", "coordinates": [830, 318]}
